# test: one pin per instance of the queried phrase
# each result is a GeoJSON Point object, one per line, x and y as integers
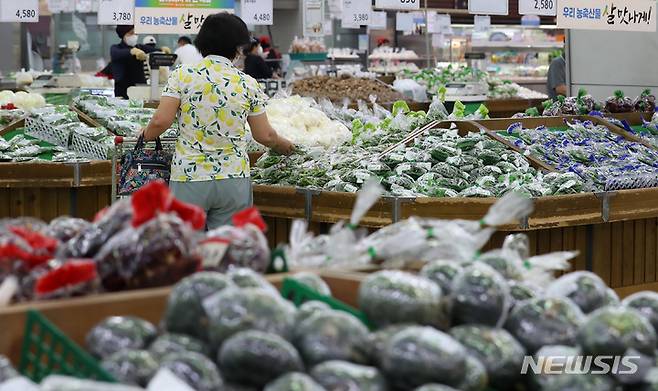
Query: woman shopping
{"type": "Point", "coordinates": [213, 101]}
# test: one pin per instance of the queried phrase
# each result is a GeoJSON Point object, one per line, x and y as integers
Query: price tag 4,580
{"type": "Point", "coordinates": [116, 12]}
{"type": "Point", "coordinates": [538, 7]}
{"type": "Point", "coordinates": [25, 11]}
{"type": "Point", "coordinates": [257, 12]}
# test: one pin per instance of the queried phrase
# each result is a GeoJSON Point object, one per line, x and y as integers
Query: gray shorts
{"type": "Point", "coordinates": [221, 199]}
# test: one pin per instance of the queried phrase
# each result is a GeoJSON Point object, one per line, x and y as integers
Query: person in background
{"type": "Point", "coordinates": [213, 101]}
{"type": "Point", "coordinates": [186, 52]}
{"type": "Point", "coordinates": [556, 83]}
{"type": "Point", "coordinates": [271, 55]}
{"type": "Point", "coordinates": [254, 64]}
{"type": "Point", "coordinates": [127, 59]}
{"type": "Point", "coordinates": [149, 40]}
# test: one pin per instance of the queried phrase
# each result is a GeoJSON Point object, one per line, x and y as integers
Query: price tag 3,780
{"type": "Point", "coordinates": [116, 12]}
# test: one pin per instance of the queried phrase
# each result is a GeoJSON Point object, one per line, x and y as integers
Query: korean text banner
{"type": "Point", "coordinates": [176, 16]}
{"type": "Point", "coordinates": [614, 15]}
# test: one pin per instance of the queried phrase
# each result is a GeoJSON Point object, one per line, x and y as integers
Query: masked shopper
{"type": "Point", "coordinates": [128, 58]}
{"type": "Point", "coordinates": [213, 101]}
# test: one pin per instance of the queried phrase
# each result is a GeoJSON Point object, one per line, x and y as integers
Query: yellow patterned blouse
{"type": "Point", "coordinates": [215, 100]}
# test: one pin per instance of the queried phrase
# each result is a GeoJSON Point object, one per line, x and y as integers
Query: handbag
{"type": "Point", "coordinates": [141, 166]}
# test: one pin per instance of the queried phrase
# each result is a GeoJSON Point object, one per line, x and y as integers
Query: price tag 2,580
{"type": "Point", "coordinates": [25, 11]}
{"type": "Point", "coordinates": [257, 12]}
{"type": "Point", "coordinates": [116, 12]}
{"type": "Point", "coordinates": [538, 7]}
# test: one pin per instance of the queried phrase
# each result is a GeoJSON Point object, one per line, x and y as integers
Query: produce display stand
{"type": "Point", "coordinates": [506, 108]}
{"type": "Point", "coordinates": [615, 232]}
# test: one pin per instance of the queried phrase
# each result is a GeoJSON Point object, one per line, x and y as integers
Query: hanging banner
{"type": "Point", "coordinates": [24, 11]}
{"type": "Point", "coordinates": [356, 13]}
{"type": "Point", "coordinates": [614, 15]}
{"type": "Point", "coordinates": [538, 7]}
{"type": "Point", "coordinates": [257, 12]}
{"type": "Point", "coordinates": [313, 18]}
{"type": "Point", "coordinates": [115, 12]}
{"type": "Point", "coordinates": [176, 16]}
{"type": "Point", "coordinates": [488, 7]}
{"type": "Point", "coordinates": [398, 4]}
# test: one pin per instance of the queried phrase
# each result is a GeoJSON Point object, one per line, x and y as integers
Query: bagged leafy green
{"type": "Point", "coordinates": [389, 297]}
{"type": "Point", "coordinates": [313, 281]}
{"type": "Point", "coordinates": [441, 272]}
{"type": "Point", "coordinates": [238, 309]}
{"type": "Point", "coordinates": [331, 335]}
{"type": "Point", "coordinates": [338, 375]}
{"type": "Point", "coordinates": [118, 333]}
{"type": "Point", "coordinates": [480, 295]}
{"type": "Point", "coordinates": [195, 369]}
{"type": "Point", "coordinates": [421, 355]}
{"type": "Point", "coordinates": [586, 289]}
{"type": "Point", "coordinates": [545, 321]}
{"type": "Point", "coordinates": [496, 349]}
{"type": "Point", "coordinates": [170, 343]}
{"type": "Point", "coordinates": [134, 367]}
{"type": "Point", "coordinates": [294, 381]}
{"type": "Point", "coordinates": [255, 358]}
{"type": "Point", "coordinates": [646, 302]}
{"type": "Point", "coordinates": [185, 312]}
{"type": "Point", "coordinates": [614, 330]}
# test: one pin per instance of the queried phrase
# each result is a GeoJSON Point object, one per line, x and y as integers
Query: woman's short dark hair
{"type": "Point", "coordinates": [185, 40]}
{"type": "Point", "coordinates": [222, 35]}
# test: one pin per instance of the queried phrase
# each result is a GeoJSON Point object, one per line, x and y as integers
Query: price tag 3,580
{"type": "Point", "coordinates": [257, 12]}
{"type": "Point", "coordinates": [25, 11]}
{"type": "Point", "coordinates": [538, 7]}
{"type": "Point", "coordinates": [116, 12]}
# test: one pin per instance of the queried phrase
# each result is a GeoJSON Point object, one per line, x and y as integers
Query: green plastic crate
{"type": "Point", "coordinates": [299, 293]}
{"type": "Point", "coordinates": [47, 350]}
{"type": "Point", "coordinates": [308, 56]}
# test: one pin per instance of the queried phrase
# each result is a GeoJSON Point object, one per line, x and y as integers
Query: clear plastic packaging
{"type": "Point", "coordinates": [132, 367]}
{"type": "Point", "coordinates": [7, 371]}
{"type": "Point", "coordinates": [586, 289]}
{"type": "Point", "coordinates": [343, 375]}
{"type": "Point", "coordinates": [171, 343]}
{"type": "Point", "coordinates": [496, 349]}
{"type": "Point", "coordinates": [65, 228]}
{"type": "Point", "coordinates": [195, 369]}
{"type": "Point", "coordinates": [238, 309]}
{"type": "Point", "coordinates": [248, 278]}
{"type": "Point", "coordinates": [476, 378]}
{"type": "Point", "coordinates": [309, 308]}
{"type": "Point", "coordinates": [61, 383]}
{"type": "Point", "coordinates": [118, 333]}
{"type": "Point", "coordinates": [545, 321]}
{"type": "Point", "coordinates": [646, 302]}
{"type": "Point", "coordinates": [435, 387]}
{"type": "Point", "coordinates": [480, 295]}
{"type": "Point", "coordinates": [441, 272]}
{"type": "Point", "coordinates": [312, 281]}
{"type": "Point", "coordinates": [294, 381]}
{"type": "Point", "coordinates": [389, 297]}
{"type": "Point", "coordinates": [421, 355]}
{"type": "Point", "coordinates": [331, 335]}
{"type": "Point", "coordinates": [255, 358]}
{"type": "Point", "coordinates": [231, 246]}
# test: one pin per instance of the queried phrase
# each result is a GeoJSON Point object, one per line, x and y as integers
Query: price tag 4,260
{"type": "Point", "coordinates": [538, 7]}
{"type": "Point", "coordinates": [257, 12]}
{"type": "Point", "coordinates": [116, 12]}
{"type": "Point", "coordinates": [25, 11]}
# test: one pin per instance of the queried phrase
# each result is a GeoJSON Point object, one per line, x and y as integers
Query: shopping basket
{"type": "Point", "coordinates": [299, 293]}
{"type": "Point", "coordinates": [47, 350]}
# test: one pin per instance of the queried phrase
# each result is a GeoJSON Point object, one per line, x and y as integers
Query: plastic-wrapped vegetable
{"type": "Point", "coordinates": [476, 378]}
{"type": "Point", "coordinates": [294, 381]}
{"type": "Point", "coordinates": [545, 321]}
{"type": "Point", "coordinates": [421, 355]}
{"type": "Point", "coordinates": [118, 333]}
{"type": "Point", "coordinates": [435, 387]}
{"type": "Point", "coordinates": [586, 289]}
{"type": "Point", "coordinates": [441, 272]}
{"type": "Point", "coordinates": [313, 281]}
{"type": "Point", "coordinates": [65, 228]}
{"type": "Point", "coordinates": [231, 246]}
{"type": "Point", "coordinates": [380, 339]}
{"type": "Point", "coordinates": [68, 279]}
{"type": "Point", "coordinates": [645, 102]}
{"type": "Point", "coordinates": [578, 382]}
{"type": "Point", "coordinates": [195, 369]}
{"type": "Point", "coordinates": [619, 103]}
{"type": "Point", "coordinates": [238, 309]}
{"type": "Point", "coordinates": [158, 253]}
{"type": "Point", "coordinates": [480, 295]}
{"type": "Point", "coordinates": [170, 343]}
{"type": "Point", "coordinates": [338, 375]}
{"type": "Point", "coordinates": [247, 278]}
{"type": "Point", "coordinates": [646, 302]}
{"type": "Point", "coordinates": [558, 354]}
{"type": "Point", "coordinates": [7, 371]}
{"type": "Point", "coordinates": [504, 262]}
{"type": "Point", "coordinates": [496, 349]}
{"type": "Point", "coordinates": [331, 335]}
{"type": "Point", "coordinates": [134, 367]}
{"type": "Point", "coordinates": [256, 358]}
{"type": "Point", "coordinates": [389, 297]}
{"type": "Point", "coordinates": [185, 312]}
{"type": "Point", "coordinates": [614, 330]}
{"type": "Point", "coordinates": [309, 308]}
{"type": "Point", "coordinates": [519, 292]}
